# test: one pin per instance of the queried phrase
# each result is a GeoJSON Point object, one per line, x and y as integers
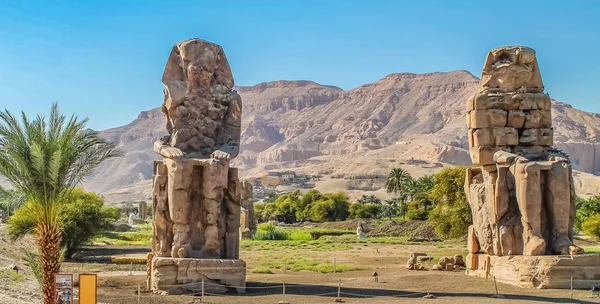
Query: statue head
{"type": "Point", "coordinates": [509, 68]}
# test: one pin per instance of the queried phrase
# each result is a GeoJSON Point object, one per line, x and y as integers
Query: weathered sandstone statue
{"type": "Point", "coordinates": [519, 180]}
{"type": "Point", "coordinates": [520, 188]}
{"type": "Point", "coordinates": [196, 195]}
{"type": "Point", "coordinates": [247, 204]}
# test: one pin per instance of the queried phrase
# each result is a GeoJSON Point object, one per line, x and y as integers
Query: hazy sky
{"type": "Point", "coordinates": [104, 59]}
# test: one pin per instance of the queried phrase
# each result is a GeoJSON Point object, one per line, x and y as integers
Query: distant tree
{"type": "Point", "coordinates": [369, 199]}
{"type": "Point", "coordinates": [586, 208]}
{"type": "Point", "coordinates": [451, 215]}
{"type": "Point", "coordinates": [331, 207]}
{"type": "Point", "coordinates": [305, 203]}
{"type": "Point", "coordinates": [364, 211]}
{"type": "Point", "coordinates": [390, 208]}
{"type": "Point", "coordinates": [271, 197]}
{"type": "Point", "coordinates": [397, 181]}
{"type": "Point", "coordinates": [591, 226]}
{"type": "Point", "coordinates": [287, 205]}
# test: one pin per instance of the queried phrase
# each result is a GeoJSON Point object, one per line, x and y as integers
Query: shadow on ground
{"type": "Point", "coordinates": [265, 289]}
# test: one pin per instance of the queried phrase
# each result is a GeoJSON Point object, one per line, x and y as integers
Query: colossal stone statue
{"type": "Point", "coordinates": [196, 195]}
{"type": "Point", "coordinates": [521, 189]}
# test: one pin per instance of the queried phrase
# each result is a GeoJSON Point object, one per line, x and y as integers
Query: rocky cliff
{"type": "Point", "coordinates": [296, 123]}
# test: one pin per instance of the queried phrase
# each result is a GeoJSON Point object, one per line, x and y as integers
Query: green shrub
{"type": "Point", "coordinates": [365, 210]}
{"type": "Point", "coordinates": [591, 226]}
{"type": "Point", "coordinates": [263, 270]}
{"type": "Point", "coordinates": [83, 216]}
{"type": "Point", "coordinates": [266, 232]}
{"type": "Point", "coordinates": [416, 212]}
{"type": "Point", "coordinates": [586, 208]}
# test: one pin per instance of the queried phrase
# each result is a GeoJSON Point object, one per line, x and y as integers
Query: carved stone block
{"type": "Point", "coordinates": [492, 118]}
{"type": "Point", "coordinates": [482, 155]}
{"type": "Point", "coordinates": [506, 137]}
{"type": "Point", "coordinates": [482, 137]}
{"type": "Point", "coordinates": [488, 100]}
{"type": "Point", "coordinates": [536, 119]}
{"type": "Point", "coordinates": [516, 119]}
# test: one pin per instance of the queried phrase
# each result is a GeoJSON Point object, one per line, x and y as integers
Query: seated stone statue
{"type": "Point", "coordinates": [196, 195]}
{"type": "Point", "coordinates": [521, 189]}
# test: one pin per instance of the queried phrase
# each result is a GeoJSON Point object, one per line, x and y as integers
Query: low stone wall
{"type": "Point", "coordinates": [542, 272]}
{"type": "Point", "coordinates": [181, 276]}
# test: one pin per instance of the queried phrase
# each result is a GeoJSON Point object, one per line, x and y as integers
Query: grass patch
{"type": "Point", "coordinates": [313, 245]}
{"type": "Point", "coordinates": [124, 238]}
{"type": "Point", "coordinates": [263, 270]}
{"type": "Point", "coordinates": [13, 276]}
{"type": "Point", "coordinates": [127, 260]}
{"type": "Point", "coordinates": [270, 232]}
{"type": "Point", "coordinates": [591, 249]}
{"type": "Point", "coordinates": [296, 264]}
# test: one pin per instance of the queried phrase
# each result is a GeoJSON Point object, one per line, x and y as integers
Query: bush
{"type": "Point", "coordinates": [591, 226]}
{"type": "Point", "coordinates": [331, 207]}
{"type": "Point", "coordinates": [365, 210]}
{"type": "Point", "coordinates": [416, 213]}
{"type": "Point", "coordinates": [263, 270]}
{"type": "Point", "coordinates": [451, 215]}
{"type": "Point", "coordinates": [83, 216]}
{"type": "Point", "coordinates": [267, 232]}
{"type": "Point", "coordinates": [586, 208]}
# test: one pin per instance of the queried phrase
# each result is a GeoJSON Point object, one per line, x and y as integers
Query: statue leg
{"type": "Point", "coordinates": [529, 198]}
{"type": "Point", "coordinates": [559, 208]}
{"type": "Point", "coordinates": [162, 237]}
{"type": "Point", "coordinates": [180, 205]}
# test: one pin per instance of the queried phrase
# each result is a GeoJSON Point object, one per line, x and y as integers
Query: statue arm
{"type": "Point", "coordinates": [166, 150]}
{"type": "Point", "coordinates": [503, 157]}
{"type": "Point", "coordinates": [232, 128]}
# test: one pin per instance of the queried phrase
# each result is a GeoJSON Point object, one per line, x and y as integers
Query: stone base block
{"type": "Point", "coordinates": [548, 271]}
{"type": "Point", "coordinates": [181, 275]}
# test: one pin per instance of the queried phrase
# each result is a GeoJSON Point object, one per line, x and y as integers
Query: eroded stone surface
{"type": "Point", "coordinates": [538, 271]}
{"type": "Point", "coordinates": [203, 112]}
{"type": "Point", "coordinates": [179, 276]}
{"type": "Point", "coordinates": [518, 180]}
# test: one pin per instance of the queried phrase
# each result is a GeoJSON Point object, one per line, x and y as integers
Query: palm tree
{"type": "Point", "coordinates": [44, 159]}
{"type": "Point", "coordinates": [397, 180]}
{"type": "Point", "coordinates": [390, 208]}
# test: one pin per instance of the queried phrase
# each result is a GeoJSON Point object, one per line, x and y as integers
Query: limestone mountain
{"type": "Point", "coordinates": [324, 129]}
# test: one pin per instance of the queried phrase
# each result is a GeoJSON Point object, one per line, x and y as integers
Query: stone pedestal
{"type": "Point", "coordinates": [196, 222]}
{"type": "Point", "coordinates": [547, 271]}
{"type": "Point", "coordinates": [181, 276]}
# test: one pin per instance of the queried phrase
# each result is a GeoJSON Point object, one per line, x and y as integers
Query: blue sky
{"type": "Point", "coordinates": [104, 59]}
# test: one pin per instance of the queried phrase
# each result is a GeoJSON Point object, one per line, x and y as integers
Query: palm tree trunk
{"type": "Point", "coordinates": [49, 238]}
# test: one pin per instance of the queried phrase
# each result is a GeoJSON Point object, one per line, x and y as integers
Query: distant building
{"type": "Point", "coordinates": [270, 180]}
{"type": "Point", "coordinates": [288, 176]}
{"type": "Point", "coordinates": [301, 178]}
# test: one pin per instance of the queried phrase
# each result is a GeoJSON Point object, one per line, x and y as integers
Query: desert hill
{"type": "Point", "coordinates": [411, 120]}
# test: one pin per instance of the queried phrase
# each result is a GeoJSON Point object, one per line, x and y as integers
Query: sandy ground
{"type": "Point", "coordinates": [118, 284]}
{"type": "Point", "coordinates": [396, 284]}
